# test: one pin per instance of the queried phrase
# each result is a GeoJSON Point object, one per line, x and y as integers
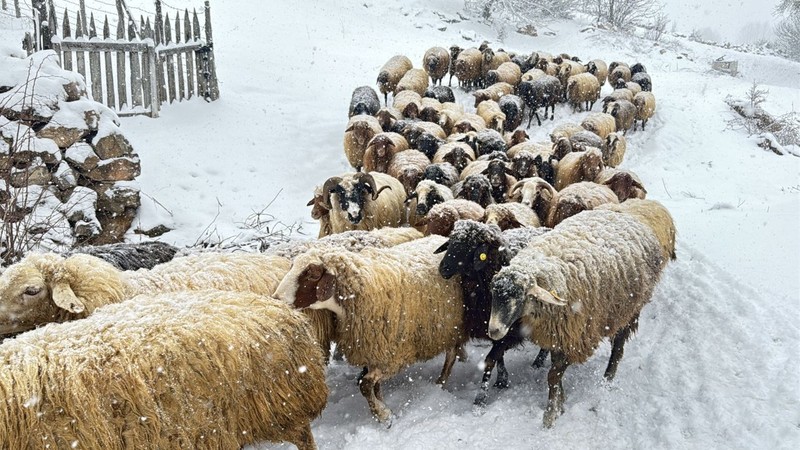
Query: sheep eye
{"type": "Point", "coordinates": [33, 290]}
{"type": "Point", "coordinates": [482, 256]}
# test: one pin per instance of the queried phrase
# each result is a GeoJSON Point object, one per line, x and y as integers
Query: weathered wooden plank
{"type": "Point", "coordinates": [147, 80]}
{"type": "Point", "coordinates": [110, 88]}
{"type": "Point", "coordinates": [155, 106]}
{"type": "Point", "coordinates": [190, 74]}
{"type": "Point", "coordinates": [159, 23]}
{"type": "Point", "coordinates": [170, 60]}
{"type": "Point", "coordinates": [181, 94]}
{"type": "Point", "coordinates": [136, 74]}
{"type": "Point", "coordinates": [195, 26]}
{"type": "Point", "coordinates": [51, 18]}
{"type": "Point", "coordinates": [82, 11]}
{"type": "Point", "coordinates": [66, 53]}
{"type": "Point", "coordinates": [73, 44]}
{"type": "Point", "coordinates": [17, 11]}
{"type": "Point", "coordinates": [80, 58]}
{"type": "Point", "coordinates": [187, 26]}
{"type": "Point", "coordinates": [94, 64]}
{"type": "Point", "coordinates": [122, 84]}
{"type": "Point", "coordinates": [213, 86]}
{"type": "Point", "coordinates": [148, 30]}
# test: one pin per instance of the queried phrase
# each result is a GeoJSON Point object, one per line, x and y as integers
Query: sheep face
{"type": "Point", "coordinates": [459, 158]}
{"type": "Point", "coordinates": [545, 168]}
{"type": "Point", "coordinates": [309, 284]}
{"type": "Point", "coordinates": [477, 188]}
{"type": "Point", "coordinates": [24, 299]}
{"type": "Point", "coordinates": [464, 256]}
{"type": "Point", "coordinates": [427, 197]}
{"type": "Point", "coordinates": [508, 302]}
{"type": "Point", "coordinates": [522, 165]}
{"type": "Point", "coordinates": [350, 195]}
{"type": "Point", "coordinates": [496, 172]}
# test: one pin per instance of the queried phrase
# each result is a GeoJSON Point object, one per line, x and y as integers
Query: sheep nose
{"type": "Point", "coordinates": [493, 331]}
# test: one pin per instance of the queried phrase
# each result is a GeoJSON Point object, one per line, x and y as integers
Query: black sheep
{"type": "Point", "coordinates": [364, 101]}
{"type": "Point", "coordinates": [129, 256]}
{"type": "Point", "coordinates": [543, 91]}
{"type": "Point", "coordinates": [441, 93]}
{"type": "Point", "coordinates": [514, 108]}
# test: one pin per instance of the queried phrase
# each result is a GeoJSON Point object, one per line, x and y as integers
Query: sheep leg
{"type": "Point", "coordinates": [541, 358]}
{"type": "Point", "coordinates": [305, 440]}
{"type": "Point", "coordinates": [555, 401]}
{"type": "Point", "coordinates": [495, 356]}
{"type": "Point", "coordinates": [502, 374]}
{"type": "Point", "coordinates": [552, 111]}
{"type": "Point", "coordinates": [370, 389]}
{"type": "Point", "coordinates": [449, 360]}
{"type": "Point", "coordinates": [618, 348]}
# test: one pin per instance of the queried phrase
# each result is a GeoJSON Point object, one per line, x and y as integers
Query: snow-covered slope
{"type": "Point", "coordinates": [715, 363]}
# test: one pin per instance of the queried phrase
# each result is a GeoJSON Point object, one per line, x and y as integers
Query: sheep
{"type": "Point", "coordinates": [360, 130]}
{"type": "Point", "coordinates": [522, 165]}
{"type": "Point", "coordinates": [614, 149]}
{"type": "Point", "coordinates": [431, 110]}
{"type": "Point", "coordinates": [567, 69]}
{"type": "Point", "coordinates": [535, 193]}
{"type": "Point", "coordinates": [380, 150]}
{"type": "Point", "coordinates": [643, 80]}
{"type": "Point", "coordinates": [508, 72]}
{"type": "Point", "coordinates": [408, 167]}
{"type": "Point", "coordinates": [491, 61]}
{"type": "Point", "coordinates": [500, 178]}
{"type": "Point", "coordinates": [532, 74]}
{"type": "Point", "coordinates": [599, 69]}
{"type": "Point", "coordinates": [583, 89]}
{"type": "Point", "coordinates": [544, 92]}
{"type": "Point", "coordinates": [477, 188]}
{"type": "Point", "coordinates": [601, 124]}
{"type": "Point", "coordinates": [525, 62]}
{"type": "Point", "coordinates": [408, 102]}
{"type": "Point", "coordinates": [548, 67]}
{"type": "Point", "coordinates": [391, 73]}
{"type": "Point", "coordinates": [458, 154]}
{"type": "Point", "coordinates": [624, 113]}
{"type": "Point", "coordinates": [584, 139]}
{"type": "Point", "coordinates": [488, 141]}
{"type": "Point", "coordinates": [442, 93]}
{"type": "Point", "coordinates": [364, 101]}
{"type": "Point", "coordinates": [320, 212]}
{"type": "Point", "coordinates": [511, 215]}
{"type": "Point", "coordinates": [515, 137]}
{"type": "Point", "coordinates": [624, 183]}
{"type": "Point", "coordinates": [134, 375]}
{"type": "Point", "coordinates": [427, 195]}
{"type": "Point", "coordinates": [381, 325]}
{"type": "Point", "coordinates": [476, 252]}
{"type": "Point", "coordinates": [581, 282]}
{"type": "Point", "coordinates": [441, 173]}
{"type": "Point", "coordinates": [638, 68]}
{"type": "Point", "coordinates": [387, 117]}
{"type": "Point", "coordinates": [579, 166]}
{"type": "Point", "coordinates": [450, 114]}
{"type": "Point", "coordinates": [577, 197]}
{"type": "Point", "coordinates": [618, 71]}
{"type": "Point", "coordinates": [442, 217]}
{"type": "Point", "coordinates": [468, 66]}
{"type": "Point", "coordinates": [540, 56]}
{"type": "Point", "coordinates": [130, 256]}
{"type": "Point", "coordinates": [454, 52]}
{"type": "Point", "coordinates": [617, 94]}
{"type": "Point", "coordinates": [545, 159]}
{"type": "Point", "coordinates": [493, 92]}
{"type": "Point", "coordinates": [429, 144]}
{"type": "Point", "coordinates": [495, 155]}
{"type": "Point", "coordinates": [414, 129]}
{"type": "Point", "coordinates": [436, 62]}
{"type": "Point", "coordinates": [469, 122]}
{"type": "Point", "coordinates": [414, 80]}
{"type": "Point", "coordinates": [358, 204]}
{"type": "Point", "coordinates": [565, 130]}
{"type": "Point", "coordinates": [635, 88]}
{"type": "Point", "coordinates": [656, 217]}
{"type": "Point", "coordinates": [514, 109]}
{"type": "Point", "coordinates": [645, 103]}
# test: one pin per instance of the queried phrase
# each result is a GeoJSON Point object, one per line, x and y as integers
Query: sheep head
{"type": "Point", "coordinates": [351, 192]}
{"type": "Point", "coordinates": [592, 163]}
{"type": "Point", "coordinates": [458, 157]}
{"type": "Point", "coordinates": [496, 171]}
{"type": "Point", "coordinates": [625, 186]}
{"type": "Point", "coordinates": [428, 195]}
{"type": "Point", "coordinates": [546, 168]}
{"type": "Point", "coordinates": [477, 188]}
{"type": "Point", "coordinates": [514, 295]}
{"type": "Point", "coordinates": [522, 165]}
{"type": "Point", "coordinates": [473, 247]}
{"type": "Point", "coordinates": [310, 283]}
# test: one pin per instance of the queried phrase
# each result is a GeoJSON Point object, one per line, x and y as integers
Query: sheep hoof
{"type": "Point", "coordinates": [386, 418]}
{"type": "Point", "coordinates": [478, 410]}
{"type": "Point", "coordinates": [550, 416]}
{"type": "Point", "coordinates": [501, 384]}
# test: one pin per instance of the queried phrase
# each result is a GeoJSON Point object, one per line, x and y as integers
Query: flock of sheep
{"type": "Point", "coordinates": [458, 227]}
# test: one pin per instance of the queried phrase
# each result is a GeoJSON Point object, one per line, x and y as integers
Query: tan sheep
{"type": "Point", "coordinates": [408, 167]}
{"type": "Point", "coordinates": [534, 193]}
{"type": "Point", "coordinates": [492, 60]}
{"type": "Point", "coordinates": [533, 74]}
{"type": "Point", "coordinates": [579, 166]}
{"type": "Point", "coordinates": [414, 80]}
{"type": "Point", "coordinates": [458, 154]}
{"type": "Point", "coordinates": [568, 69]}
{"type": "Point", "coordinates": [548, 67]}
{"type": "Point", "coordinates": [599, 69]}
{"type": "Point", "coordinates": [511, 215]}
{"type": "Point", "coordinates": [442, 217]}
{"type": "Point", "coordinates": [645, 103]}
{"type": "Point", "coordinates": [618, 71]}
{"type": "Point", "coordinates": [508, 72]}
{"type": "Point", "coordinates": [206, 369]}
{"type": "Point", "coordinates": [577, 197]}
{"type": "Point", "coordinates": [391, 73]}
{"type": "Point", "coordinates": [490, 112]}
{"type": "Point", "coordinates": [635, 88]}
{"type": "Point", "coordinates": [436, 62]}
{"type": "Point", "coordinates": [601, 124]}
{"type": "Point", "coordinates": [617, 94]}
{"type": "Point", "coordinates": [583, 90]}
{"type": "Point", "coordinates": [656, 217]}
{"type": "Point", "coordinates": [360, 129]}
{"type": "Point", "coordinates": [450, 114]}
{"type": "Point", "coordinates": [493, 92]}
{"type": "Point", "coordinates": [566, 130]}
{"type": "Point", "coordinates": [614, 149]}
{"type": "Point", "coordinates": [408, 102]}
{"type": "Point", "coordinates": [624, 113]}
{"type": "Point", "coordinates": [468, 66]}
{"type": "Point", "coordinates": [469, 122]}
{"type": "Point", "coordinates": [380, 150]}
{"type": "Point", "coordinates": [431, 111]}
{"type": "Point", "coordinates": [625, 184]}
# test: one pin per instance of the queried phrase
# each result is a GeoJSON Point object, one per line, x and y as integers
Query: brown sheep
{"type": "Point", "coordinates": [577, 197]}
{"type": "Point", "coordinates": [579, 166]}
{"type": "Point", "coordinates": [468, 66]}
{"type": "Point", "coordinates": [454, 52]}
{"type": "Point", "coordinates": [360, 129]}
{"type": "Point", "coordinates": [387, 117]}
{"type": "Point", "coordinates": [431, 110]}
{"type": "Point", "coordinates": [381, 149]}
{"type": "Point", "coordinates": [391, 73]}
{"type": "Point", "coordinates": [493, 92]}
{"type": "Point", "coordinates": [508, 72]}
{"type": "Point", "coordinates": [625, 184]}
{"type": "Point", "coordinates": [624, 113]}
{"type": "Point", "coordinates": [442, 217]}
{"type": "Point", "coordinates": [645, 103]}
{"type": "Point", "coordinates": [458, 154]}
{"type": "Point", "coordinates": [436, 62]}
{"type": "Point", "coordinates": [414, 80]}
{"type": "Point", "coordinates": [320, 211]}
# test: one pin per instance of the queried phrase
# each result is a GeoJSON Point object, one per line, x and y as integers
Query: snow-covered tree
{"type": "Point", "coordinates": [624, 14]}
{"type": "Point", "coordinates": [787, 32]}
{"type": "Point", "coordinates": [516, 11]}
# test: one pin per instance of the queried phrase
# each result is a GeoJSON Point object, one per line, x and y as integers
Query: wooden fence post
{"type": "Point", "coordinates": [213, 85]}
{"type": "Point", "coordinates": [109, 67]}
{"type": "Point", "coordinates": [122, 85]}
{"type": "Point", "coordinates": [155, 105]}
{"type": "Point", "coordinates": [17, 12]}
{"type": "Point", "coordinates": [94, 64]}
{"type": "Point", "coordinates": [42, 26]}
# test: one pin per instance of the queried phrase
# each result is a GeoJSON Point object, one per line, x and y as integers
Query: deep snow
{"type": "Point", "coordinates": [715, 363]}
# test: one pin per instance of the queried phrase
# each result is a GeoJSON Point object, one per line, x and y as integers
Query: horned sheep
{"type": "Point", "coordinates": [535, 193]}
{"type": "Point", "coordinates": [391, 73]}
{"type": "Point", "coordinates": [570, 305]}
{"type": "Point", "coordinates": [395, 327]}
{"type": "Point", "coordinates": [356, 203]}
{"type": "Point", "coordinates": [134, 375]}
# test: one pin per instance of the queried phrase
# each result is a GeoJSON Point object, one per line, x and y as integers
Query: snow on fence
{"type": "Point", "coordinates": [140, 66]}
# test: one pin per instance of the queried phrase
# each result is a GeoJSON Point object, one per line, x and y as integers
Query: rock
{"type": "Point", "coordinates": [81, 205]}
{"type": "Point", "coordinates": [74, 91]}
{"type": "Point", "coordinates": [64, 177]}
{"type": "Point", "coordinates": [85, 231]}
{"type": "Point", "coordinates": [156, 231]}
{"type": "Point", "coordinates": [116, 169]}
{"type": "Point", "coordinates": [35, 174]}
{"type": "Point", "coordinates": [114, 226]}
{"type": "Point", "coordinates": [82, 157]}
{"type": "Point", "coordinates": [112, 146]}
{"type": "Point", "coordinates": [117, 197]}
{"type": "Point", "coordinates": [64, 137]}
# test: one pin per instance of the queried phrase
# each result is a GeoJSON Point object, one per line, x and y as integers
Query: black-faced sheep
{"type": "Point", "coordinates": [488, 141]}
{"type": "Point", "coordinates": [601, 124]}
{"type": "Point", "coordinates": [408, 167]}
{"type": "Point", "coordinates": [572, 305]}
{"type": "Point", "coordinates": [544, 92]}
{"type": "Point", "coordinates": [442, 217]}
{"type": "Point", "coordinates": [508, 72]}
{"type": "Point", "coordinates": [467, 67]}
{"type": "Point", "coordinates": [380, 150]}
{"type": "Point", "coordinates": [625, 184]}
{"type": "Point", "coordinates": [645, 103]}
{"type": "Point", "coordinates": [129, 256]}
{"type": "Point", "coordinates": [514, 109]}
{"type": "Point", "coordinates": [493, 92]}
{"type": "Point", "coordinates": [431, 110]}
{"type": "Point", "coordinates": [458, 154]}
{"type": "Point", "coordinates": [583, 91]}
{"type": "Point", "coordinates": [477, 188]}
{"type": "Point", "coordinates": [387, 117]}
{"type": "Point", "coordinates": [442, 93]}
{"type": "Point", "coordinates": [356, 203]}
{"type": "Point", "coordinates": [522, 165]}
{"type": "Point", "coordinates": [187, 369]}
{"type": "Point", "coordinates": [436, 62]}
{"type": "Point", "coordinates": [525, 62]}
{"type": "Point", "coordinates": [577, 197]}
{"type": "Point", "coordinates": [381, 326]}
{"type": "Point", "coordinates": [500, 178]}
{"type": "Point", "coordinates": [408, 102]}
{"type": "Point", "coordinates": [476, 252]}
{"type": "Point", "coordinates": [643, 80]}
{"type": "Point", "coordinates": [360, 130]}
{"type": "Point", "coordinates": [599, 69]}
{"type": "Point", "coordinates": [364, 101]}
{"type": "Point", "coordinates": [391, 73]}
{"type": "Point", "coordinates": [454, 52]}
{"type": "Point", "coordinates": [414, 80]}
{"type": "Point", "coordinates": [428, 144]}
{"type": "Point", "coordinates": [441, 173]}
{"type": "Point", "coordinates": [624, 113]}
{"type": "Point", "coordinates": [579, 166]}
{"type": "Point", "coordinates": [638, 68]}
{"type": "Point", "coordinates": [427, 195]}
{"type": "Point", "coordinates": [618, 71]}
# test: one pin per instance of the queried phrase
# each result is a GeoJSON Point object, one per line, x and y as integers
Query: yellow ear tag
{"type": "Point", "coordinates": [482, 256]}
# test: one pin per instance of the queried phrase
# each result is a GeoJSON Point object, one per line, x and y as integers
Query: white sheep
{"type": "Point", "coordinates": [391, 73]}
{"type": "Point", "coordinates": [392, 308]}
{"type": "Point", "coordinates": [205, 369]}
{"type": "Point", "coordinates": [577, 197]}
{"type": "Point", "coordinates": [645, 103]}
{"type": "Point", "coordinates": [360, 130]}
{"type": "Point", "coordinates": [654, 215]}
{"type": "Point", "coordinates": [585, 280]}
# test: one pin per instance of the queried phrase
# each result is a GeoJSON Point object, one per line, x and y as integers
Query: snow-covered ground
{"type": "Point", "coordinates": [715, 363]}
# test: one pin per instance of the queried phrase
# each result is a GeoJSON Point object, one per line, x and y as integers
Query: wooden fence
{"type": "Point", "coordinates": [142, 65]}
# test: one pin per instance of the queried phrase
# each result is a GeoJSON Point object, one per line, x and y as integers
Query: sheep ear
{"type": "Point", "coordinates": [65, 299]}
{"type": "Point", "coordinates": [545, 296]}
{"type": "Point", "coordinates": [442, 248]}
{"type": "Point", "coordinates": [326, 287]}
{"type": "Point", "coordinates": [310, 202]}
